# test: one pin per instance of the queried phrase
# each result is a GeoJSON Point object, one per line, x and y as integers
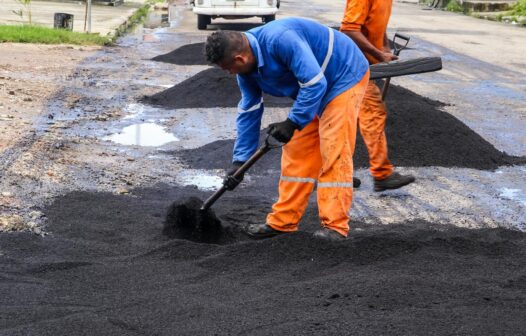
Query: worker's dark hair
{"type": "Point", "coordinates": [223, 44]}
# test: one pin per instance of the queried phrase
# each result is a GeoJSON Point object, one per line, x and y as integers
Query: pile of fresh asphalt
{"type": "Point", "coordinates": [194, 54]}
{"type": "Point", "coordinates": [189, 54]}
{"type": "Point", "coordinates": [106, 269]}
{"type": "Point", "coordinates": [210, 88]}
{"type": "Point", "coordinates": [419, 134]}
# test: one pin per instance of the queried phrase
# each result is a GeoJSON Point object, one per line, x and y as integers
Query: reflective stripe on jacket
{"type": "Point", "coordinates": [297, 58]}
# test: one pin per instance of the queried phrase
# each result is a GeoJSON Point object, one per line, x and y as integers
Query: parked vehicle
{"type": "Point", "coordinates": [207, 10]}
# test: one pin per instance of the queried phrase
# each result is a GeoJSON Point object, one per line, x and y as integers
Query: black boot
{"type": "Point", "coordinates": [394, 181]}
{"type": "Point", "coordinates": [328, 235]}
{"type": "Point", "coordinates": [262, 231]}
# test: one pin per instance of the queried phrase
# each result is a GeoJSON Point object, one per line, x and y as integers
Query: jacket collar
{"type": "Point", "coordinates": [256, 49]}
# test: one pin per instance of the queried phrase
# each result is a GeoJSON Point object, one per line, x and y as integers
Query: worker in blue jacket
{"type": "Point", "coordinates": [326, 75]}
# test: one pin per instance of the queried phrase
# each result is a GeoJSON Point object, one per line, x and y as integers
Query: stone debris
{"type": "Point", "coordinates": [12, 223]}
{"type": "Point", "coordinates": [122, 191]}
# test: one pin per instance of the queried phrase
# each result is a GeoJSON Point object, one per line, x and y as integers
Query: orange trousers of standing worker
{"type": "Point", "coordinates": [372, 127]}
{"type": "Point", "coordinates": [321, 153]}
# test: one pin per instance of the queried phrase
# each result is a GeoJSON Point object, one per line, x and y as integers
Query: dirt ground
{"type": "Point", "coordinates": [30, 75]}
{"type": "Point", "coordinates": [89, 171]}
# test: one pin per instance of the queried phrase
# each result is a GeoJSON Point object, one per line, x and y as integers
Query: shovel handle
{"type": "Point", "coordinates": [402, 37]}
{"type": "Point", "coordinates": [240, 171]}
{"type": "Point", "coordinates": [396, 53]}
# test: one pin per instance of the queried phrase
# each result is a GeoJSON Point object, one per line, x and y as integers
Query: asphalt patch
{"type": "Point", "coordinates": [207, 89]}
{"type": "Point", "coordinates": [107, 269]}
{"type": "Point", "coordinates": [189, 54]}
{"type": "Point", "coordinates": [186, 220]}
{"type": "Point", "coordinates": [419, 134]}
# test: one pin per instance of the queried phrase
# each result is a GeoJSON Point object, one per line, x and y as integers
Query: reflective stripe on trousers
{"type": "Point", "coordinates": [321, 152]}
{"type": "Point", "coordinates": [372, 127]}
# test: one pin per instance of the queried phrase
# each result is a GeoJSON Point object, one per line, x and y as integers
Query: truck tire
{"type": "Point", "coordinates": [269, 18]}
{"type": "Point", "coordinates": [203, 21]}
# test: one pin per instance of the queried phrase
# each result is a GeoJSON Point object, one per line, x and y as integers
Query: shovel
{"type": "Point", "coordinates": [191, 219]}
{"type": "Point", "coordinates": [267, 146]}
{"type": "Point", "coordinates": [396, 52]}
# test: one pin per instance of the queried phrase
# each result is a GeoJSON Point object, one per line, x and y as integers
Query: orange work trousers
{"type": "Point", "coordinates": [321, 154]}
{"type": "Point", "coordinates": [372, 127]}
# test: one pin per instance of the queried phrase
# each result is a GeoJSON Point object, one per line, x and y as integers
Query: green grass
{"type": "Point", "coordinates": [519, 9]}
{"type": "Point", "coordinates": [44, 35]}
{"type": "Point", "coordinates": [516, 14]}
{"type": "Point", "coordinates": [454, 6]}
{"type": "Point", "coordinates": [137, 18]}
{"type": "Point", "coordinates": [38, 34]}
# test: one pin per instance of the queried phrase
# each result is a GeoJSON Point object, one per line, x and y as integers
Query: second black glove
{"type": "Point", "coordinates": [230, 182]}
{"type": "Point", "coordinates": [283, 131]}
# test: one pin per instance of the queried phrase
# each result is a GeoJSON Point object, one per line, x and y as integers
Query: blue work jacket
{"type": "Point", "coordinates": [297, 58]}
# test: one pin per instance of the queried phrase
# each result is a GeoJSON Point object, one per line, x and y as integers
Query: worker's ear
{"type": "Point", "coordinates": [240, 59]}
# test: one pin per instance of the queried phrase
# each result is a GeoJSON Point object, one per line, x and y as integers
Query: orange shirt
{"type": "Point", "coordinates": [371, 18]}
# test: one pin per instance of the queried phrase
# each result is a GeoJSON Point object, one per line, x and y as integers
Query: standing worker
{"type": "Point", "coordinates": [365, 22]}
{"type": "Point", "coordinates": [326, 74]}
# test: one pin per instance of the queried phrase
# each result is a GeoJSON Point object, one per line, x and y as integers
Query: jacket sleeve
{"type": "Point", "coordinates": [299, 58]}
{"type": "Point", "coordinates": [250, 111]}
{"type": "Point", "coordinates": [356, 12]}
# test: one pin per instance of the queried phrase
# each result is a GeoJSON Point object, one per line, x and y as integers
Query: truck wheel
{"type": "Point", "coordinates": [269, 18]}
{"type": "Point", "coordinates": [203, 21]}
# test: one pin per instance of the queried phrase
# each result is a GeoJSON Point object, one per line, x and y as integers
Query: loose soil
{"type": "Point", "coordinates": [207, 89]}
{"type": "Point", "coordinates": [106, 269]}
{"type": "Point", "coordinates": [419, 134]}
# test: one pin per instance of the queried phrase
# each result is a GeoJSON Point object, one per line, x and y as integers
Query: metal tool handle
{"type": "Point", "coordinates": [395, 45]}
{"type": "Point", "coordinates": [267, 146]}
{"type": "Point", "coordinates": [396, 53]}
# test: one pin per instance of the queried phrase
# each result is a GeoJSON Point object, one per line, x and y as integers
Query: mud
{"type": "Point", "coordinates": [209, 88]}
{"type": "Point", "coordinates": [107, 268]}
{"type": "Point", "coordinates": [189, 54]}
{"type": "Point", "coordinates": [419, 134]}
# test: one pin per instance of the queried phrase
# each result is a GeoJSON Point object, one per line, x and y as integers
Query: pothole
{"type": "Point", "coordinates": [144, 134]}
{"type": "Point", "coordinates": [513, 194]}
{"type": "Point", "coordinates": [203, 180]}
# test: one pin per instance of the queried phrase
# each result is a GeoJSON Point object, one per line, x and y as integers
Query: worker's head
{"type": "Point", "coordinates": [231, 51]}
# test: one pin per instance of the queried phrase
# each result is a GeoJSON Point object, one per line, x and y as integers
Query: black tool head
{"type": "Point", "coordinates": [185, 220]}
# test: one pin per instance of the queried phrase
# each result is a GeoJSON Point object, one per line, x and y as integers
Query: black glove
{"type": "Point", "coordinates": [230, 182]}
{"type": "Point", "coordinates": [283, 131]}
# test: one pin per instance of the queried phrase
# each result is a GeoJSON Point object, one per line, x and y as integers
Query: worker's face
{"type": "Point", "coordinates": [237, 64]}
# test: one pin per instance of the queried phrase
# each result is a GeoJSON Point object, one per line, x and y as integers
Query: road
{"type": "Point", "coordinates": [60, 141]}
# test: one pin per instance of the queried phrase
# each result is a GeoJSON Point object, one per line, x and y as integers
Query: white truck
{"type": "Point", "coordinates": [207, 10]}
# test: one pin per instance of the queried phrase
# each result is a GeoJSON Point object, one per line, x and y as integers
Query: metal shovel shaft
{"type": "Point", "coordinates": [241, 170]}
{"type": "Point", "coordinates": [396, 53]}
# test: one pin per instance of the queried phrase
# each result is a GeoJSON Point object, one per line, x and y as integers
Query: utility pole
{"type": "Point", "coordinates": [89, 16]}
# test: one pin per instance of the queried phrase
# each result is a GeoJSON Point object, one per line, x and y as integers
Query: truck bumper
{"type": "Point", "coordinates": [228, 11]}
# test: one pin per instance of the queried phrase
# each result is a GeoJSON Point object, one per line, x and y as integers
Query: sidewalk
{"type": "Point", "coordinates": [104, 19]}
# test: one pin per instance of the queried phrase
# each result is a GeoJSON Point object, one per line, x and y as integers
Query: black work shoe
{"type": "Point", "coordinates": [328, 234]}
{"type": "Point", "coordinates": [262, 231]}
{"type": "Point", "coordinates": [394, 181]}
{"type": "Point", "coordinates": [356, 182]}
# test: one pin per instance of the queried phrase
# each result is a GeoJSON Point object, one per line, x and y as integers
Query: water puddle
{"type": "Point", "coordinates": [201, 179]}
{"type": "Point", "coordinates": [157, 18]}
{"type": "Point", "coordinates": [145, 134]}
{"type": "Point", "coordinates": [133, 110]}
{"type": "Point", "coordinates": [513, 194]}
